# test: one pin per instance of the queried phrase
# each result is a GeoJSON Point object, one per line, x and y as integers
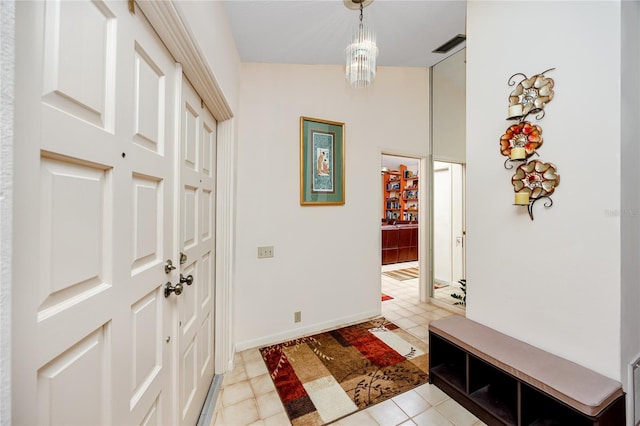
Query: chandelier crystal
{"type": "Point", "coordinates": [361, 55]}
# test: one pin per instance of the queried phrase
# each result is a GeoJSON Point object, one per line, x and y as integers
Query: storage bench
{"type": "Point", "coordinates": [504, 381]}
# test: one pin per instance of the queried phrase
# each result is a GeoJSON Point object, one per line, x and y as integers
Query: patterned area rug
{"type": "Point", "coordinates": [403, 274]}
{"type": "Point", "coordinates": [330, 375]}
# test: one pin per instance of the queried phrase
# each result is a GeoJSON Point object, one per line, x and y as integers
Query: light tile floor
{"type": "Point", "coordinates": [248, 396]}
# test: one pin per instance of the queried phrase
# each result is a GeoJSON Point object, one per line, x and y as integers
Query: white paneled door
{"type": "Point", "coordinates": [197, 225]}
{"type": "Point", "coordinates": [96, 337]}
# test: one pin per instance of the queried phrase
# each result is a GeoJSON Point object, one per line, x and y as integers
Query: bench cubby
{"type": "Point", "coordinates": [504, 381]}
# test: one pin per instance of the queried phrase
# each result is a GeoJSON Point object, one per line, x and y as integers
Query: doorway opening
{"type": "Point", "coordinates": [448, 233]}
{"type": "Point", "coordinates": [400, 215]}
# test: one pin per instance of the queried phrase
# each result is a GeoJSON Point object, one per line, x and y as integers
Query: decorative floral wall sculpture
{"type": "Point", "coordinates": [522, 135]}
{"type": "Point", "coordinates": [533, 180]}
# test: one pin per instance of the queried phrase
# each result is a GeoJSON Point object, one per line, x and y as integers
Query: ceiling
{"type": "Point", "coordinates": [317, 31]}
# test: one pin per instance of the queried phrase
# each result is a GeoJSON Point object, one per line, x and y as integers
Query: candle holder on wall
{"type": "Point", "coordinates": [519, 142]}
{"type": "Point", "coordinates": [530, 95]}
{"type": "Point", "coordinates": [533, 180]}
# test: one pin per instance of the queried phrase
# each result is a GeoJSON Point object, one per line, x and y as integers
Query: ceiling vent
{"type": "Point", "coordinates": [447, 46]}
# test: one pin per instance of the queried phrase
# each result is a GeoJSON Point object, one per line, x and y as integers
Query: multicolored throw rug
{"type": "Point", "coordinates": [403, 274]}
{"type": "Point", "coordinates": [386, 297]}
{"type": "Point", "coordinates": [330, 375]}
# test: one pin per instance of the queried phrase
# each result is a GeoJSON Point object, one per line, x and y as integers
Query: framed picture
{"type": "Point", "coordinates": [321, 162]}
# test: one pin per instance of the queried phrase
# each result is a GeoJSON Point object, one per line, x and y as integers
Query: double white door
{"type": "Point", "coordinates": [114, 176]}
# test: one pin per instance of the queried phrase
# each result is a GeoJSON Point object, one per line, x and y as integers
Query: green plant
{"type": "Point", "coordinates": [461, 298]}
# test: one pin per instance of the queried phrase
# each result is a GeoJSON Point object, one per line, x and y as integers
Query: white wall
{"type": "Point", "coordinates": [327, 258]}
{"type": "Point", "coordinates": [553, 282]}
{"type": "Point", "coordinates": [207, 21]}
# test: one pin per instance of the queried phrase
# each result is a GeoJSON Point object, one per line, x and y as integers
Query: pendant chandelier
{"type": "Point", "coordinates": [362, 52]}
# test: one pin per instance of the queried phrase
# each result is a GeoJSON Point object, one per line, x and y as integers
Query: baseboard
{"type": "Point", "coordinates": [306, 331]}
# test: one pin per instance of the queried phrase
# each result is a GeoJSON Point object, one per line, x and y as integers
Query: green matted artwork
{"type": "Point", "coordinates": [321, 162]}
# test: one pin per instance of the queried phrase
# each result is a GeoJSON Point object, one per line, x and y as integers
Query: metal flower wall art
{"type": "Point", "coordinates": [533, 179]}
{"type": "Point", "coordinates": [530, 95]}
{"type": "Point", "coordinates": [521, 140]}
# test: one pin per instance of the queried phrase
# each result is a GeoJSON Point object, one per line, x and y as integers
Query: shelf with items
{"type": "Point", "coordinates": [411, 182]}
{"type": "Point", "coordinates": [400, 194]}
{"type": "Point", "coordinates": [411, 216]}
{"type": "Point", "coordinates": [410, 212]}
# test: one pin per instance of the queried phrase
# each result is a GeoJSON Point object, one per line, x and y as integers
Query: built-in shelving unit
{"type": "Point", "coordinates": [392, 191]}
{"type": "Point", "coordinates": [400, 195]}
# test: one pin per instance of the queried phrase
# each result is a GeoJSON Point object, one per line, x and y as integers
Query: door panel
{"type": "Point", "coordinates": [146, 349]}
{"type": "Point", "coordinates": [79, 55]}
{"type": "Point", "coordinates": [188, 304]}
{"type": "Point", "coordinates": [190, 216]}
{"type": "Point", "coordinates": [197, 186]}
{"type": "Point", "coordinates": [204, 277]}
{"type": "Point", "coordinates": [94, 197]}
{"type": "Point", "coordinates": [205, 345]}
{"type": "Point", "coordinates": [147, 222]}
{"type": "Point", "coordinates": [74, 203]}
{"type": "Point", "coordinates": [206, 216]}
{"type": "Point", "coordinates": [149, 103]}
{"type": "Point", "coordinates": [58, 390]}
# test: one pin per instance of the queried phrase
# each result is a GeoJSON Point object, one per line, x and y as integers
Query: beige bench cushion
{"type": "Point", "coordinates": [577, 386]}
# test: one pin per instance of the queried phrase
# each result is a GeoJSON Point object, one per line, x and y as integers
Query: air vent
{"type": "Point", "coordinates": [451, 44]}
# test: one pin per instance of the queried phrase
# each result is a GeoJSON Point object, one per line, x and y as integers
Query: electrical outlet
{"type": "Point", "coordinates": [297, 316]}
{"type": "Point", "coordinates": [265, 251]}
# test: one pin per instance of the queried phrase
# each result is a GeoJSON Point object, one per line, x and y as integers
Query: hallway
{"type": "Point", "coordinates": [248, 396]}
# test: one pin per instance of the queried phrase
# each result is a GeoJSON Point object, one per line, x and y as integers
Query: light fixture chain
{"type": "Point", "coordinates": [361, 11]}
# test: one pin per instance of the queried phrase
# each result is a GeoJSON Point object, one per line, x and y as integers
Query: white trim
{"type": "Point", "coordinates": [306, 331]}
{"type": "Point", "coordinates": [225, 232]}
{"type": "Point", "coordinates": [7, 73]}
{"type": "Point", "coordinates": [424, 230]}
